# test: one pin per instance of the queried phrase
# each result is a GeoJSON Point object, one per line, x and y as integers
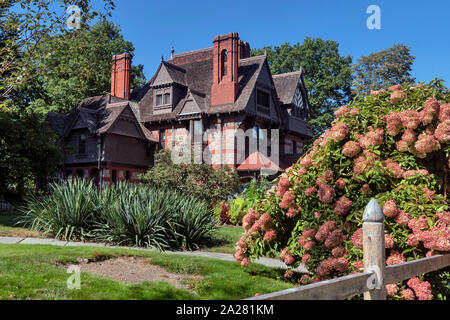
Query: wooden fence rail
{"type": "Point", "coordinates": [373, 281]}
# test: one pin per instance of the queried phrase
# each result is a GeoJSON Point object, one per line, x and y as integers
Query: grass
{"type": "Point", "coordinates": [225, 238]}
{"type": "Point", "coordinates": [10, 228]}
{"type": "Point", "coordinates": [29, 272]}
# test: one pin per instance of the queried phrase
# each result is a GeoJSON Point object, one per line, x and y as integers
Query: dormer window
{"type": "Point", "coordinates": [159, 99]}
{"type": "Point", "coordinates": [163, 96]}
{"type": "Point", "coordinates": [166, 98]}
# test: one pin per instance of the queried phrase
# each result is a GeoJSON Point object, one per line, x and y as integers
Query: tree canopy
{"type": "Point", "coordinates": [383, 69]}
{"type": "Point", "coordinates": [327, 74]}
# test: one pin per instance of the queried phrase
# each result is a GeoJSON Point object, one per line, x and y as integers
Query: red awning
{"type": "Point", "coordinates": [258, 161]}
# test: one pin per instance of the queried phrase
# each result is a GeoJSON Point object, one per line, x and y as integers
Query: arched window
{"type": "Point", "coordinates": [224, 58]}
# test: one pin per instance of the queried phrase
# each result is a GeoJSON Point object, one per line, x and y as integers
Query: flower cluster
{"type": "Point", "coordinates": [422, 289]}
{"type": "Point", "coordinates": [372, 138]}
{"type": "Point", "coordinates": [395, 258]}
{"type": "Point", "coordinates": [342, 206]}
{"type": "Point", "coordinates": [351, 149]}
{"type": "Point", "coordinates": [390, 209]}
{"type": "Point", "coordinates": [326, 193]}
{"type": "Point", "coordinates": [339, 131]}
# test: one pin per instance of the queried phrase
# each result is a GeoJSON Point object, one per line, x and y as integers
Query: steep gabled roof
{"type": "Point", "coordinates": [286, 84]}
{"type": "Point", "coordinates": [98, 115]}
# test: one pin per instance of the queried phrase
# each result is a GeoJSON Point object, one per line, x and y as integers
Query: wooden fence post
{"type": "Point", "coordinates": [374, 250]}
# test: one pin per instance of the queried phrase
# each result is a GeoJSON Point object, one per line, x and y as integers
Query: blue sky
{"type": "Point", "coordinates": [155, 26]}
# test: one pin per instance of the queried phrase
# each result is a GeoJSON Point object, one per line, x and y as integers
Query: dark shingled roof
{"type": "Point", "coordinates": [285, 84]}
{"type": "Point", "coordinates": [98, 113]}
{"type": "Point", "coordinates": [198, 78]}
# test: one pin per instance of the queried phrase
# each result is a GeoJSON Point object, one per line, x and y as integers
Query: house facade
{"type": "Point", "coordinates": [216, 105]}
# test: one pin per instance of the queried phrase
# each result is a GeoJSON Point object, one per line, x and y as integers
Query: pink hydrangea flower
{"type": "Point", "coordinates": [397, 96]}
{"type": "Point", "coordinates": [402, 218]}
{"type": "Point", "coordinates": [288, 259]}
{"type": "Point", "coordinates": [317, 215]}
{"type": "Point", "coordinates": [351, 149]}
{"type": "Point", "coordinates": [365, 189]}
{"type": "Point", "coordinates": [427, 143]}
{"type": "Point", "coordinates": [326, 193]}
{"type": "Point", "coordinates": [407, 294]}
{"type": "Point", "coordinates": [334, 239]}
{"type": "Point", "coordinates": [341, 264]}
{"type": "Point", "coordinates": [391, 289]}
{"type": "Point", "coordinates": [270, 235]}
{"type": "Point", "coordinates": [283, 186]}
{"type": "Point", "coordinates": [340, 183]}
{"type": "Point", "coordinates": [341, 111]}
{"type": "Point", "coordinates": [245, 262]}
{"type": "Point", "coordinates": [339, 131]}
{"type": "Point", "coordinates": [292, 212]}
{"type": "Point", "coordinates": [310, 191]}
{"type": "Point", "coordinates": [442, 132]}
{"type": "Point", "coordinates": [288, 200]}
{"type": "Point", "coordinates": [306, 258]}
{"type": "Point", "coordinates": [338, 251]}
{"type": "Point", "coordinates": [288, 274]}
{"type": "Point", "coordinates": [388, 241]}
{"type": "Point", "coordinates": [393, 168]}
{"type": "Point", "coordinates": [372, 138]}
{"type": "Point", "coordinates": [394, 123]}
{"type": "Point", "coordinates": [412, 240]}
{"type": "Point", "coordinates": [357, 238]}
{"type": "Point", "coordinates": [390, 209]}
{"type": "Point", "coordinates": [395, 258]}
{"type": "Point", "coordinates": [342, 206]}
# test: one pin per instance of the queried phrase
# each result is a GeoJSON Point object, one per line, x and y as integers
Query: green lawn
{"type": "Point", "coordinates": [225, 238]}
{"type": "Point", "coordinates": [27, 272]}
{"type": "Point", "coordinates": [10, 228]}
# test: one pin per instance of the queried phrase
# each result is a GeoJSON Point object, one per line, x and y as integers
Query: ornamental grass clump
{"type": "Point", "coordinates": [393, 145]}
{"type": "Point", "coordinates": [67, 212]}
{"type": "Point", "coordinates": [138, 215]}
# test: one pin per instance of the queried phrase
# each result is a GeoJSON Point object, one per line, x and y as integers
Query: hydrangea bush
{"type": "Point", "coordinates": [392, 145]}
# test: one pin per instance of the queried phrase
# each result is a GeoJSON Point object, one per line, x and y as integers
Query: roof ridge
{"type": "Point", "coordinates": [286, 73]}
{"type": "Point", "coordinates": [190, 52]}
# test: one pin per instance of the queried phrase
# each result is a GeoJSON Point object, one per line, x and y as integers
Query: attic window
{"type": "Point", "coordinates": [159, 99]}
{"type": "Point", "coordinates": [162, 97]}
{"type": "Point", "coordinates": [82, 144]}
{"type": "Point", "coordinates": [262, 98]}
{"type": "Point", "coordinates": [166, 98]}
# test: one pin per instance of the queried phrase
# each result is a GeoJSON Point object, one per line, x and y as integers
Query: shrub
{"type": "Point", "coordinates": [123, 214]}
{"type": "Point", "coordinates": [199, 180]}
{"type": "Point", "coordinates": [145, 217]}
{"type": "Point", "coordinates": [249, 197]}
{"type": "Point", "coordinates": [68, 211]}
{"type": "Point", "coordinates": [392, 145]}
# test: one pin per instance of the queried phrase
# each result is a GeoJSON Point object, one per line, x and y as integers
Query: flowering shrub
{"type": "Point", "coordinates": [392, 145]}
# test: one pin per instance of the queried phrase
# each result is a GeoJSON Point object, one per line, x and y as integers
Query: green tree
{"type": "Point", "coordinates": [199, 180]}
{"type": "Point", "coordinates": [327, 74]}
{"type": "Point", "coordinates": [29, 154]}
{"type": "Point", "coordinates": [79, 66]}
{"type": "Point", "coordinates": [23, 25]}
{"type": "Point", "coordinates": [383, 69]}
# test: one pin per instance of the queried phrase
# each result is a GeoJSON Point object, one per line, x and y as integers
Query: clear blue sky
{"type": "Point", "coordinates": [155, 26]}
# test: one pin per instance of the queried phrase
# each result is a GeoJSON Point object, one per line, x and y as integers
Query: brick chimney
{"type": "Point", "coordinates": [225, 85]}
{"type": "Point", "coordinates": [120, 76]}
{"type": "Point", "coordinates": [244, 49]}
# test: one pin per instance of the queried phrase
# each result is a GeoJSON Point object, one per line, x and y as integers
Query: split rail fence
{"type": "Point", "coordinates": [372, 282]}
